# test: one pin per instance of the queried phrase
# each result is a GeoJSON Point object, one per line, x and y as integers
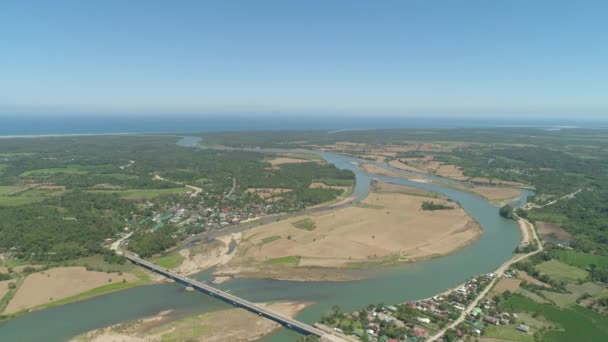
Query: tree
{"type": "Point", "coordinates": [506, 211]}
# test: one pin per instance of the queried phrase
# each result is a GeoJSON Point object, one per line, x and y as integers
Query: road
{"type": "Point", "coordinates": [537, 206]}
{"type": "Point", "coordinates": [499, 272]}
{"type": "Point", "coordinates": [228, 298]}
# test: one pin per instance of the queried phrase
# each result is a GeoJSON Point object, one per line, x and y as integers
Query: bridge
{"type": "Point", "coordinates": [285, 321]}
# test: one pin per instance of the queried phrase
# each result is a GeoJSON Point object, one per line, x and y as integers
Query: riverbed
{"type": "Point", "coordinates": [387, 285]}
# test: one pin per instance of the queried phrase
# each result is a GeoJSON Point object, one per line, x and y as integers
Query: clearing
{"type": "Point", "coordinates": [560, 271]}
{"type": "Point", "coordinates": [58, 283]}
{"type": "Point", "coordinates": [386, 228]}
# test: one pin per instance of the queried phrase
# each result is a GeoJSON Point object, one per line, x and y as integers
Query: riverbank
{"type": "Point", "coordinates": [387, 228]}
{"type": "Point", "coordinates": [222, 325]}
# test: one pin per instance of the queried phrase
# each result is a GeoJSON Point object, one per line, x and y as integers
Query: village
{"type": "Point", "coordinates": [419, 320]}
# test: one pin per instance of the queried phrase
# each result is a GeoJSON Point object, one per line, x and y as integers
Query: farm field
{"type": "Point", "coordinates": [560, 271]}
{"type": "Point", "coordinates": [143, 193]}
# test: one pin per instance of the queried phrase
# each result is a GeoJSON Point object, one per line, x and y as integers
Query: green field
{"type": "Point", "coordinates": [268, 240]}
{"type": "Point", "coordinates": [169, 261]}
{"type": "Point", "coordinates": [72, 170]}
{"type": "Point", "coordinates": [507, 332]}
{"type": "Point", "coordinates": [5, 189]}
{"type": "Point", "coordinates": [567, 299]}
{"type": "Point", "coordinates": [288, 260]}
{"type": "Point", "coordinates": [560, 271]}
{"type": "Point", "coordinates": [577, 323]}
{"type": "Point", "coordinates": [306, 224]}
{"type": "Point", "coordinates": [580, 259]}
{"type": "Point", "coordinates": [11, 201]}
{"type": "Point", "coordinates": [143, 193]}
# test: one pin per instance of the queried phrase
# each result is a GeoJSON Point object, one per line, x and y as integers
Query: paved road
{"type": "Point", "coordinates": [228, 298]}
{"type": "Point", "coordinates": [499, 272]}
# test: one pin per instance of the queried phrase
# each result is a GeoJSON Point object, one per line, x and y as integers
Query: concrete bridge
{"type": "Point", "coordinates": [287, 322]}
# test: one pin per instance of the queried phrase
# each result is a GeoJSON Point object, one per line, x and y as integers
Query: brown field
{"type": "Point", "coordinates": [223, 325]}
{"type": "Point", "coordinates": [496, 193]}
{"type": "Point", "coordinates": [380, 187]}
{"type": "Point", "coordinates": [284, 160]}
{"type": "Point", "coordinates": [386, 227]}
{"type": "Point", "coordinates": [552, 231]}
{"type": "Point", "coordinates": [370, 168]}
{"type": "Point", "coordinates": [267, 192]}
{"type": "Point", "coordinates": [523, 275]}
{"type": "Point", "coordinates": [402, 166]}
{"type": "Point", "coordinates": [58, 283]}
{"type": "Point", "coordinates": [506, 284]}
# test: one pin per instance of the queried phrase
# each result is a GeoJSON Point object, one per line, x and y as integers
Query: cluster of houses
{"type": "Point", "coordinates": [202, 217]}
{"type": "Point", "coordinates": [423, 318]}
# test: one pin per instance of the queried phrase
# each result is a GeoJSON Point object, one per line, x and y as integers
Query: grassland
{"type": "Point", "coordinates": [6, 189]}
{"type": "Point", "coordinates": [580, 259]}
{"type": "Point", "coordinates": [576, 323]}
{"type": "Point", "coordinates": [268, 240]}
{"type": "Point", "coordinates": [27, 197]}
{"type": "Point", "coordinates": [291, 260]}
{"type": "Point", "coordinates": [507, 332]}
{"type": "Point", "coordinates": [560, 271]}
{"type": "Point", "coordinates": [169, 261]}
{"type": "Point", "coordinates": [306, 224]}
{"type": "Point", "coordinates": [144, 193]}
{"type": "Point", "coordinates": [72, 170]}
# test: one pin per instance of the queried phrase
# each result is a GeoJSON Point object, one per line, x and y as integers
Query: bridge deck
{"type": "Point", "coordinates": [228, 298]}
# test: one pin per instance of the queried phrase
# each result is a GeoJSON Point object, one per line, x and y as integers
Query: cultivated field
{"type": "Point", "coordinates": [57, 283]}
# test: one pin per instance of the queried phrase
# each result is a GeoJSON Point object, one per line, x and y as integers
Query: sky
{"type": "Point", "coordinates": [489, 58]}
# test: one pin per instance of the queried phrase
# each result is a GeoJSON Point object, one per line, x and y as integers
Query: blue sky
{"type": "Point", "coordinates": [427, 57]}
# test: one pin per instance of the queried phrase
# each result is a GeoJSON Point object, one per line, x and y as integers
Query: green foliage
{"type": "Point", "coordinates": [40, 232]}
{"type": "Point", "coordinates": [506, 211]}
{"type": "Point", "coordinates": [577, 323]}
{"type": "Point", "coordinates": [169, 261]}
{"type": "Point", "coordinates": [306, 224]}
{"type": "Point", "coordinates": [287, 260]}
{"type": "Point", "coordinates": [430, 205]}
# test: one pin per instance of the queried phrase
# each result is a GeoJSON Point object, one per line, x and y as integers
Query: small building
{"type": "Point", "coordinates": [424, 320]}
{"type": "Point", "coordinates": [476, 312]}
{"type": "Point", "coordinates": [491, 320]}
{"type": "Point", "coordinates": [523, 328]}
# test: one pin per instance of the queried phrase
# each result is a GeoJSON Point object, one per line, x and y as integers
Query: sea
{"type": "Point", "coordinates": [25, 125]}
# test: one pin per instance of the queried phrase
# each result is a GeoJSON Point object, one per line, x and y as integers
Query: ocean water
{"type": "Point", "coordinates": [94, 124]}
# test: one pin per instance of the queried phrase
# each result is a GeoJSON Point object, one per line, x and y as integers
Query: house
{"type": "Point", "coordinates": [424, 320]}
{"type": "Point", "coordinates": [491, 320]}
{"type": "Point", "coordinates": [523, 328]}
{"type": "Point", "coordinates": [476, 312]}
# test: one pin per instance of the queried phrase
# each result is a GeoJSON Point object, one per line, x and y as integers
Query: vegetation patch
{"type": "Point", "coordinates": [429, 205]}
{"type": "Point", "coordinates": [507, 332]}
{"type": "Point", "coordinates": [335, 181]}
{"type": "Point", "coordinates": [268, 240]}
{"type": "Point", "coordinates": [306, 224]}
{"type": "Point", "coordinates": [144, 194]}
{"type": "Point", "coordinates": [7, 189]}
{"type": "Point", "coordinates": [370, 206]}
{"type": "Point", "coordinates": [560, 271]}
{"type": "Point", "coordinates": [169, 261]}
{"type": "Point", "coordinates": [577, 323]}
{"type": "Point", "coordinates": [71, 170]}
{"type": "Point", "coordinates": [292, 260]}
{"type": "Point", "coordinates": [579, 259]}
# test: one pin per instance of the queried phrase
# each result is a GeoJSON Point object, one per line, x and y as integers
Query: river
{"type": "Point", "coordinates": [387, 285]}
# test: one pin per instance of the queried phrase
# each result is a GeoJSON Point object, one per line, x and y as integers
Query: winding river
{"type": "Point", "coordinates": [387, 285]}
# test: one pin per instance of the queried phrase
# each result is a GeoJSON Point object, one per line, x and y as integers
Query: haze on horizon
{"type": "Point", "coordinates": [449, 58]}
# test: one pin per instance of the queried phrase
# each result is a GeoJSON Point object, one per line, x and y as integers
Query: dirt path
{"type": "Point", "coordinates": [532, 205]}
{"type": "Point", "coordinates": [524, 225]}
